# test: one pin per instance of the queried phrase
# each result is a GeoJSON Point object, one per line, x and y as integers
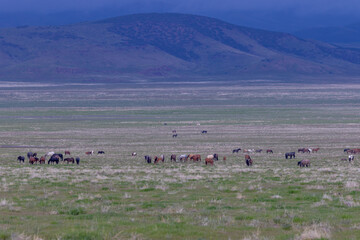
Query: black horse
{"type": "Point", "coordinates": [54, 159]}
{"type": "Point", "coordinates": [216, 156]}
{"type": "Point", "coordinates": [204, 131]}
{"type": "Point", "coordinates": [101, 152]}
{"type": "Point", "coordinates": [61, 156]}
{"type": "Point", "coordinates": [174, 135]}
{"type": "Point", "coordinates": [77, 160]}
{"type": "Point", "coordinates": [148, 159]}
{"type": "Point", "coordinates": [236, 150]}
{"type": "Point", "coordinates": [290, 155]}
{"type": "Point", "coordinates": [21, 158]}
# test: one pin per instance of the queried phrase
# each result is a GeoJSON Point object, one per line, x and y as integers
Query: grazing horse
{"type": "Point", "coordinates": [204, 131]}
{"type": "Point", "coordinates": [33, 160]}
{"type": "Point", "coordinates": [147, 159]}
{"type": "Point", "coordinates": [77, 160]}
{"type": "Point", "coordinates": [195, 157]}
{"type": "Point", "coordinates": [101, 152]}
{"type": "Point", "coordinates": [258, 150]}
{"type": "Point", "coordinates": [173, 157]}
{"type": "Point", "coordinates": [42, 160]}
{"type": "Point", "coordinates": [21, 158]}
{"type": "Point", "coordinates": [315, 150]}
{"type": "Point", "coordinates": [304, 163]}
{"type": "Point", "coordinates": [209, 161]}
{"type": "Point", "coordinates": [290, 154]}
{"type": "Point", "coordinates": [248, 160]}
{"type": "Point", "coordinates": [67, 152]}
{"type": "Point", "coordinates": [346, 149]}
{"type": "Point", "coordinates": [183, 158]}
{"type": "Point", "coordinates": [174, 135]}
{"type": "Point", "coordinates": [54, 159]}
{"type": "Point", "coordinates": [269, 151]}
{"type": "Point", "coordinates": [68, 160]}
{"type": "Point", "coordinates": [89, 153]}
{"type": "Point", "coordinates": [60, 156]}
{"type": "Point", "coordinates": [30, 154]}
{"type": "Point", "coordinates": [133, 154]}
{"type": "Point", "coordinates": [216, 156]}
{"type": "Point", "coordinates": [304, 150]}
{"type": "Point", "coordinates": [158, 159]}
{"type": "Point", "coordinates": [236, 150]}
{"type": "Point", "coordinates": [351, 158]}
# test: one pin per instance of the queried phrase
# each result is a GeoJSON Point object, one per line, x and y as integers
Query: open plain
{"type": "Point", "coordinates": [119, 196]}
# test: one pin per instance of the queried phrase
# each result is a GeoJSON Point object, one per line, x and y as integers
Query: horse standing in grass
{"type": "Point", "coordinates": [68, 160]}
{"type": "Point", "coordinates": [248, 160]}
{"type": "Point", "coordinates": [269, 151]}
{"type": "Point", "coordinates": [42, 160]}
{"type": "Point", "coordinates": [33, 160]}
{"type": "Point", "coordinates": [21, 158]}
{"type": "Point", "coordinates": [173, 157]}
{"type": "Point", "coordinates": [209, 161]}
{"type": "Point", "coordinates": [304, 163]}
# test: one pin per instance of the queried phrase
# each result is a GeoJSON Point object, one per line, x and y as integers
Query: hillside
{"type": "Point", "coordinates": [153, 46]}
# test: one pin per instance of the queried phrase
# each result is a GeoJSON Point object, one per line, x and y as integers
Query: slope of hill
{"type": "Point", "coordinates": [164, 45]}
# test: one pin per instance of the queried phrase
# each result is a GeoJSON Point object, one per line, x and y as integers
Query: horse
{"type": "Point", "coordinates": [269, 151]}
{"type": "Point", "coordinates": [236, 150]}
{"type": "Point", "coordinates": [258, 150]}
{"type": "Point", "coordinates": [304, 163]}
{"type": "Point", "coordinates": [315, 150]}
{"type": "Point", "coordinates": [100, 152]}
{"type": "Point", "coordinates": [42, 160]}
{"type": "Point", "coordinates": [33, 160]}
{"type": "Point", "coordinates": [209, 161]}
{"type": "Point", "coordinates": [224, 158]}
{"type": "Point", "coordinates": [304, 150]}
{"type": "Point", "coordinates": [351, 158]}
{"type": "Point", "coordinates": [54, 159]}
{"type": "Point", "coordinates": [60, 156]}
{"type": "Point", "coordinates": [289, 154]}
{"type": "Point", "coordinates": [183, 158]}
{"type": "Point", "coordinates": [248, 160]}
{"type": "Point", "coordinates": [158, 159]}
{"type": "Point", "coordinates": [147, 158]}
{"type": "Point", "coordinates": [21, 158]}
{"type": "Point", "coordinates": [173, 157]}
{"type": "Point", "coordinates": [30, 154]}
{"type": "Point", "coordinates": [77, 160]}
{"type": "Point", "coordinates": [210, 156]}
{"type": "Point", "coordinates": [89, 153]}
{"type": "Point", "coordinates": [133, 154]}
{"type": "Point", "coordinates": [67, 152]}
{"type": "Point", "coordinates": [174, 135]}
{"type": "Point", "coordinates": [68, 160]}
{"type": "Point", "coordinates": [203, 131]}
{"type": "Point", "coordinates": [195, 157]}
{"type": "Point", "coordinates": [216, 156]}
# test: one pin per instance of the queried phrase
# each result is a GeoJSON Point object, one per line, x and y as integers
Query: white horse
{"type": "Point", "coordinates": [351, 158]}
{"type": "Point", "coordinates": [49, 154]}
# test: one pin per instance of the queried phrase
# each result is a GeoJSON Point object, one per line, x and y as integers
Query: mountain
{"type": "Point", "coordinates": [155, 46]}
{"type": "Point", "coordinates": [349, 34]}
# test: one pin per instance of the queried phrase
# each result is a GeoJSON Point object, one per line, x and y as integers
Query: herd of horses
{"type": "Point", "coordinates": [184, 158]}
{"type": "Point", "coordinates": [53, 158]}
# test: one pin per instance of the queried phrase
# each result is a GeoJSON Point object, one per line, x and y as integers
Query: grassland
{"type": "Point", "coordinates": [117, 196]}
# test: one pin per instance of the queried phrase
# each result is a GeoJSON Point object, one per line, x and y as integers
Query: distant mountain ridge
{"type": "Point", "coordinates": [169, 45]}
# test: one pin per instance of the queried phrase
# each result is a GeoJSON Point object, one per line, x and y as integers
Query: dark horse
{"type": "Point", "coordinates": [304, 163]}
{"type": "Point", "coordinates": [173, 157]}
{"type": "Point", "coordinates": [248, 160]}
{"type": "Point", "coordinates": [290, 155]}
{"type": "Point", "coordinates": [236, 150]}
{"type": "Point", "coordinates": [101, 152]}
{"type": "Point", "coordinates": [147, 159]}
{"type": "Point", "coordinates": [31, 154]}
{"type": "Point", "coordinates": [77, 160]}
{"type": "Point", "coordinates": [216, 156]}
{"type": "Point", "coordinates": [60, 156]}
{"type": "Point", "coordinates": [54, 159]}
{"type": "Point", "coordinates": [204, 131]}
{"type": "Point", "coordinates": [21, 158]}
{"type": "Point", "coordinates": [269, 151]}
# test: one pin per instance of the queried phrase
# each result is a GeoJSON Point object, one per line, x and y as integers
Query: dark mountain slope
{"type": "Point", "coordinates": [164, 45]}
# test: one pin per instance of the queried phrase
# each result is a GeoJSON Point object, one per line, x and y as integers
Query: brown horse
{"type": "Point", "coordinates": [248, 160]}
{"type": "Point", "coordinates": [67, 152]}
{"type": "Point", "coordinates": [89, 153]}
{"type": "Point", "coordinates": [209, 161]}
{"type": "Point", "coordinates": [315, 150]}
{"type": "Point", "coordinates": [33, 160]}
{"type": "Point", "coordinates": [173, 157]}
{"type": "Point", "coordinates": [42, 160]}
{"type": "Point", "coordinates": [269, 151]}
{"type": "Point", "coordinates": [195, 157]}
{"type": "Point", "coordinates": [224, 158]}
{"type": "Point", "coordinates": [158, 159]}
{"type": "Point", "coordinates": [68, 160]}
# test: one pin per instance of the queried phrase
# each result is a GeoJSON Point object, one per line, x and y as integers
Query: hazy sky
{"type": "Point", "coordinates": [275, 14]}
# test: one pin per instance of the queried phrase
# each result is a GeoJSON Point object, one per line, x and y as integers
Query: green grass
{"type": "Point", "coordinates": [117, 196]}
